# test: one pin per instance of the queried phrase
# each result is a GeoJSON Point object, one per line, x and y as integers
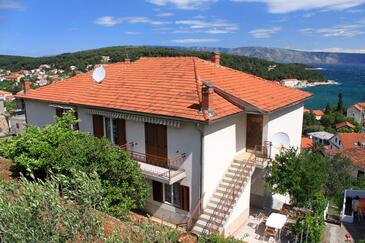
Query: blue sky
{"type": "Point", "coordinates": [47, 27]}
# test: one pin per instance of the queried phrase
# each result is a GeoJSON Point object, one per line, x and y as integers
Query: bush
{"type": "Point", "coordinates": [60, 149]}
{"type": "Point", "coordinates": [35, 211]}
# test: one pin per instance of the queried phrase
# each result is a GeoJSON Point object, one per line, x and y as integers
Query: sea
{"type": "Point", "coordinates": [351, 84]}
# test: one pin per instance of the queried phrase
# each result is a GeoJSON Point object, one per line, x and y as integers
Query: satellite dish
{"type": "Point", "coordinates": [99, 74]}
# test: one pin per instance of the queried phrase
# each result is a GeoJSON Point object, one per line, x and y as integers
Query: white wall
{"type": "Point", "coordinates": [288, 121]}
{"type": "Point", "coordinates": [355, 113]}
{"type": "Point", "coordinates": [222, 141]}
{"type": "Point", "coordinates": [39, 113]}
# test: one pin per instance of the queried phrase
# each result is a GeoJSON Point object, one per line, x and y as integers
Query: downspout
{"type": "Point", "coordinates": [201, 131]}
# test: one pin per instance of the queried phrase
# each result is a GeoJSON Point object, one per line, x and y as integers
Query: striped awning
{"type": "Point", "coordinates": [132, 117]}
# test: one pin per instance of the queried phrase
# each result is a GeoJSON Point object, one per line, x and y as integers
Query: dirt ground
{"type": "Point", "coordinates": [5, 172]}
{"type": "Point", "coordinates": [336, 233]}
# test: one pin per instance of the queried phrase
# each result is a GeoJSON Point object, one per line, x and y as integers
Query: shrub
{"type": "Point", "coordinates": [60, 149]}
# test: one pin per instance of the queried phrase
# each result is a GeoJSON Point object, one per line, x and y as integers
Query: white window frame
{"type": "Point", "coordinates": [172, 195]}
{"type": "Point", "coordinates": [112, 138]}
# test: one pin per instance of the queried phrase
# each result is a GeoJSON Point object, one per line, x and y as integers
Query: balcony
{"type": "Point", "coordinates": [157, 168]}
{"type": "Point", "coordinates": [262, 155]}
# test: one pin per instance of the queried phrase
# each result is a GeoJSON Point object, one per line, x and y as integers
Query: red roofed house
{"type": "Point", "coordinates": [192, 125]}
{"type": "Point", "coordinates": [345, 124]}
{"type": "Point", "coordinates": [306, 143]}
{"type": "Point", "coordinates": [318, 114]}
{"type": "Point", "coordinates": [347, 140]}
{"type": "Point", "coordinates": [357, 157]}
{"type": "Point", "coordinates": [357, 111]}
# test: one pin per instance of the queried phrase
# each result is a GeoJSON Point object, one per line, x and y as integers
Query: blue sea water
{"type": "Point", "coordinates": [351, 79]}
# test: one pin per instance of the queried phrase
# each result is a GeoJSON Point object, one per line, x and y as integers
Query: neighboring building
{"type": "Point", "coordinates": [321, 138]}
{"type": "Point", "coordinates": [195, 127]}
{"type": "Point", "coordinates": [347, 140]}
{"type": "Point", "coordinates": [345, 124]}
{"type": "Point", "coordinates": [318, 114]}
{"type": "Point", "coordinates": [15, 77]}
{"type": "Point", "coordinates": [356, 155]}
{"type": "Point", "coordinates": [357, 111]}
{"type": "Point", "coordinates": [306, 143]}
{"type": "Point", "coordinates": [6, 96]}
{"type": "Point", "coordinates": [290, 82]}
{"type": "Point", "coordinates": [17, 122]}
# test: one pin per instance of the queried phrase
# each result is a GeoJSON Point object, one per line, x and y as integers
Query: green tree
{"type": "Point", "coordinates": [340, 107]}
{"type": "Point", "coordinates": [60, 149]}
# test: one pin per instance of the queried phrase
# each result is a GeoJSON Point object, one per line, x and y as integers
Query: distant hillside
{"type": "Point", "coordinates": [290, 56]}
{"type": "Point", "coordinates": [266, 69]}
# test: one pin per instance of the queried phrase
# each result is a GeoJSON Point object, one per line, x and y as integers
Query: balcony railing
{"type": "Point", "coordinates": [263, 153]}
{"type": "Point", "coordinates": [161, 166]}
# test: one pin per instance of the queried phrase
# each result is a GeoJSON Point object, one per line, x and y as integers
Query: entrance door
{"type": "Point", "coordinates": [156, 144]}
{"type": "Point", "coordinates": [254, 131]}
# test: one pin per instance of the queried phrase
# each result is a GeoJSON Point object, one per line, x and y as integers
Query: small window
{"type": "Point", "coordinates": [360, 173]}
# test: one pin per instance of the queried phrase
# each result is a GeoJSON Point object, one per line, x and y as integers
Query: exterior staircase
{"type": "Point", "coordinates": [223, 200]}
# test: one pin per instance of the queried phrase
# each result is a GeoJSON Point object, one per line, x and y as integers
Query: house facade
{"type": "Point", "coordinates": [357, 111]}
{"type": "Point", "coordinates": [200, 132]}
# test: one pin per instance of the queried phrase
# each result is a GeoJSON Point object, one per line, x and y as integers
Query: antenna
{"type": "Point", "coordinates": [99, 74]}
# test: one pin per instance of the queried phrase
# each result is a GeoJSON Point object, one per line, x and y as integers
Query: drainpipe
{"type": "Point", "coordinates": [201, 131]}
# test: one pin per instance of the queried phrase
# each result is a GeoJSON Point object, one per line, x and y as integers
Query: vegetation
{"type": "Point", "coordinates": [82, 59]}
{"type": "Point", "coordinates": [332, 115]}
{"type": "Point", "coordinates": [60, 149]}
{"type": "Point", "coordinates": [311, 180]}
{"type": "Point", "coordinates": [40, 211]}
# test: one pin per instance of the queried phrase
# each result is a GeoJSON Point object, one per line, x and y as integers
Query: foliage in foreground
{"type": "Point", "coordinates": [311, 180]}
{"type": "Point", "coordinates": [41, 211]}
{"type": "Point", "coordinates": [60, 149]}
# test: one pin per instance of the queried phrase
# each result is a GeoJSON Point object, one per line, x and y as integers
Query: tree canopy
{"type": "Point", "coordinates": [58, 148]}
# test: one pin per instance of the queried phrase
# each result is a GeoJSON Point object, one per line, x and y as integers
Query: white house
{"type": "Point", "coordinates": [321, 138]}
{"type": "Point", "coordinates": [200, 131]}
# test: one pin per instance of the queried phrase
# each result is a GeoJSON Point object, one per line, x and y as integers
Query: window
{"type": "Point", "coordinates": [360, 173]}
{"type": "Point", "coordinates": [175, 194]}
{"type": "Point", "coordinates": [115, 130]}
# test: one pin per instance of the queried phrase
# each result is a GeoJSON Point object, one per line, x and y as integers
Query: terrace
{"type": "Point", "coordinates": [158, 168]}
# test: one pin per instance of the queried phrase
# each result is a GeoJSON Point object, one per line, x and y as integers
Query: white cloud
{"type": "Point", "coordinates": [165, 14]}
{"type": "Point", "coordinates": [111, 21]}
{"type": "Point", "coordinates": [8, 4]}
{"type": "Point", "coordinates": [108, 21]}
{"type": "Point", "coordinates": [345, 30]}
{"type": "Point", "coordinates": [264, 33]}
{"type": "Point", "coordinates": [207, 27]}
{"type": "Point", "coordinates": [285, 6]}
{"type": "Point", "coordinates": [183, 4]}
{"type": "Point", "coordinates": [131, 33]}
{"type": "Point", "coordinates": [191, 41]}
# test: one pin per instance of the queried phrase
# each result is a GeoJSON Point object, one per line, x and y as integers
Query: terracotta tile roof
{"type": "Point", "coordinates": [317, 112]}
{"type": "Point", "coordinates": [306, 110]}
{"type": "Point", "coordinates": [356, 155]}
{"type": "Point", "coordinates": [306, 143]}
{"type": "Point", "coordinates": [168, 86]}
{"type": "Point", "coordinates": [345, 124]}
{"type": "Point", "coordinates": [351, 140]}
{"type": "Point", "coordinates": [359, 106]}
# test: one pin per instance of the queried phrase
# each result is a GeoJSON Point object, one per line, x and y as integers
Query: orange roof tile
{"type": "Point", "coordinates": [351, 140]}
{"type": "Point", "coordinates": [306, 143]}
{"type": "Point", "coordinates": [168, 86]}
{"type": "Point", "coordinates": [345, 124]}
{"type": "Point", "coordinates": [306, 110]}
{"type": "Point", "coordinates": [356, 155]}
{"type": "Point", "coordinates": [317, 112]}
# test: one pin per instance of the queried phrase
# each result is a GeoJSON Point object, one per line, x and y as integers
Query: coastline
{"type": "Point", "coordinates": [305, 84]}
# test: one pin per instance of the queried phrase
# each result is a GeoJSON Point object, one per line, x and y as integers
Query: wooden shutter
{"type": "Point", "coordinates": [156, 144]}
{"type": "Point", "coordinates": [98, 126]}
{"type": "Point", "coordinates": [59, 112]}
{"type": "Point", "coordinates": [76, 126]}
{"type": "Point", "coordinates": [184, 198]}
{"type": "Point", "coordinates": [157, 191]}
{"type": "Point", "coordinates": [121, 137]}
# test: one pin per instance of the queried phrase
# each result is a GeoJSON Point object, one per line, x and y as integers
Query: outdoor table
{"type": "Point", "coordinates": [276, 221]}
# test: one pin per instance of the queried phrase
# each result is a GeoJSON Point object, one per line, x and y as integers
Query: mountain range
{"type": "Point", "coordinates": [289, 56]}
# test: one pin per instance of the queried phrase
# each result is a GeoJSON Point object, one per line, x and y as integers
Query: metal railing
{"type": "Point", "coordinates": [160, 161]}
{"type": "Point", "coordinates": [193, 216]}
{"type": "Point", "coordinates": [263, 153]}
{"type": "Point", "coordinates": [228, 199]}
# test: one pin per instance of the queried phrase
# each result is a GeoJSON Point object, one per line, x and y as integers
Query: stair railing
{"type": "Point", "coordinates": [227, 200]}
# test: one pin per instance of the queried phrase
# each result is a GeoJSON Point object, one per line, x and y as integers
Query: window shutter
{"type": "Point", "coordinates": [184, 198]}
{"type": "Point", "coordinates": [157, 191]}
{"type": "Point", "coordinates": [59, 112]}
{"type": "Point", "coordinates": [121, 137]}
{"type": "Point", "coordinates": [98, 126]}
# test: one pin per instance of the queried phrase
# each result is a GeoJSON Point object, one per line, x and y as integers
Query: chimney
{"type": "Point", "coordinates": [215, 58]}
{"type": "Point", "coordinates": [207, 98]}
{"type": "Point", "coordinates": [26, 86]}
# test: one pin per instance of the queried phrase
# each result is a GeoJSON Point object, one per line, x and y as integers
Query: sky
{"type": "Point", "coordinates": [49, 27]}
